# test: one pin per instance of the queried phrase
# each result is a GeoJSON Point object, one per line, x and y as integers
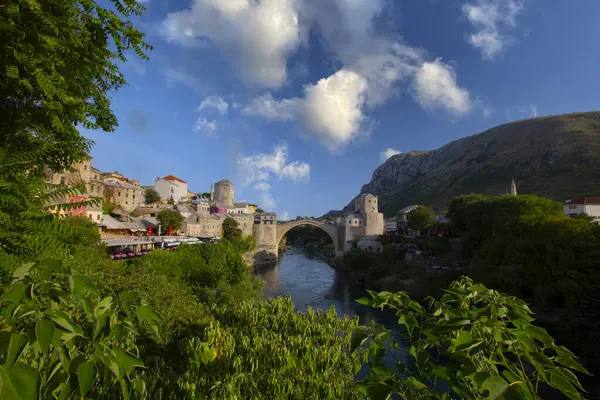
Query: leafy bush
{"type": "Point", "coordinates": [58, 336]}
{"type": "Point", "coordinates": [480, 343]}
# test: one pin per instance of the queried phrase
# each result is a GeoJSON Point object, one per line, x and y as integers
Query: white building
{"type": "Point", "coordinates": [583, 205]}
{"type": "Point", "coordinates": [402, 216]}
{"type": "Point", "coordinates": [390, 225]}
{"type": "Point", "coordinates": [171, 188]}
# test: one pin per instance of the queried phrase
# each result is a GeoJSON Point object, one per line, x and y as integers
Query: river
{"type": "Point", "coordinates": [305, 275]}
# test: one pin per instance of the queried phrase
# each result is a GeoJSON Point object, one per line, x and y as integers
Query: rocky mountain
{"type": "Point", "coordinates": [557, 157]}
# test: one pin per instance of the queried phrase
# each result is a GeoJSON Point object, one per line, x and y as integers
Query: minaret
{"type": "Point", "coordinates": [513, 188]}
{"type": "Point", "coordinates": [212, 192]}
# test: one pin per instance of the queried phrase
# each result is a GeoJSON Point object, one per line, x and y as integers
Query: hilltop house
{"type": "Point", "coordinates": [583, 205]}
{"type": "Point", "coordinates": [171, 188]}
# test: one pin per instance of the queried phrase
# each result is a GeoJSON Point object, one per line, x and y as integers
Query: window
{"type": "Point", "coordinates": [62, 180]}
{"type": "Point", "coordinates": [98, 217]}
{"type": "Point", "coordinates": [85, 167]}
{"type": "Point", "coordinates": [119, 193]}
{"type": "Point", "coordinates": [572, 207]}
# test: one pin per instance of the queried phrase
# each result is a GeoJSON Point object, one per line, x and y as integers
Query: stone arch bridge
{"type": "Point", "coordinates": [330, 229]}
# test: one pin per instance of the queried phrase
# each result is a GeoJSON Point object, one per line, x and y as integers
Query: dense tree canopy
{"type": "Point", "coordinates": [56, 71]}
{"type": "Point", "coordinates": [421, 217]}
{"type": "Point", "coordinates": [170, 218]}
{"type": "Point", "coordinates": [151, 196]}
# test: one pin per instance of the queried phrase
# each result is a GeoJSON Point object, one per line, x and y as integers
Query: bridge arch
{"type": "Point", "coordinates": [330, 229]}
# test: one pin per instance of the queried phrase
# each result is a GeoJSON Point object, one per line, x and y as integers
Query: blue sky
{"type": "Point", "coordinates": [297, 101]}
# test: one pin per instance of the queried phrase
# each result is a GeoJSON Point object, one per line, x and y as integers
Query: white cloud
{"type": "Point", "coordinates": [387, 153]}
{"type": "Point", "coordinates": [216, 103]}
{"type": "Point", "coordinates": [330, 110]}
{"type": "Point", "coordinates": [489, 18]}
{"type": "Point", "coordinates": [259, 35]}
{"type": "Point", "coordinates": [435, 86]}
{"type": "Point", "coordinates": [206, 127]}
{"type": "Point", "coordinates": [262, 187]}
{"type": "Point", "coordinates": [261, 167]}
{"type": "Point", "coordinates": [284, 216]}
{"type": "Point", "coordinates": [267, 202]}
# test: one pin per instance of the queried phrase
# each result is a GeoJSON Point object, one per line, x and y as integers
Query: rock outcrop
{"type": "Point", "coordinates": [556, 157]}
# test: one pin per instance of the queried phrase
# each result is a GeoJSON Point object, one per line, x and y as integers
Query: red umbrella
{"type": "Point", "coordinates": [170, 230]}
{"type": "Point", "coordinates": [150, 230]}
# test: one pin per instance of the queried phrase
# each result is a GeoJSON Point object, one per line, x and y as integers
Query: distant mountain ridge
{"type": "Point", "coordinates": [557, 157]}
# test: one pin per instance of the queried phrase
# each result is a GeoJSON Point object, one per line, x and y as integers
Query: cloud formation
{"type": "Point", "coordinates": [264, 166]}
{"type": "Point", "coordinates": [435, 86]}
{"type": "Point", "coordinates": [489, 19]}
{"type": "Point", "coordinates": [262, 187]}
{"type": "Point", "coordinates": [214, 103]}
{"type": "Point", "coordinates": [206, 127]}
{"type": "Point", "coordinates": [387, 153]}
{"type": "Point", "coordinates": [284, 216]}
{"type": "Point", "coordinates": [259, 35]}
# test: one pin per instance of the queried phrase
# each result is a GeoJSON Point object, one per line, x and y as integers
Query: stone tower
{"type": "Point", "coordinates": [513, 188]}
{"type": "Point", "coordinates": [368, 207]}
{"type": "Point", "coordinates": [224, 193]}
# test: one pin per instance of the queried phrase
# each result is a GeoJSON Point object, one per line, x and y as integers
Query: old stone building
{"type": "Point", "coordinates": [122, 193]}
{"type": "Point", "coordinates": [245, 221]}
{"type": "Point", "coordinates": [171, 188]}
{"type": "Point", "coordinates": [224, 194]}
{"type": "Point", "coordinates": [203, 225]}
{"type": "Point", "coordinates": [366, 220]}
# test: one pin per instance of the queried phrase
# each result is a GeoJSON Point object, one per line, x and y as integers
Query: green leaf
{"type": "Point", "coordinates": [413, 383]}
{"type": "Point", "coordinates": [15, 349]}
{"type": "Point", "coordinates": [539, 334]}
{"type": "Point", "coordinates": [495, 385]}
{"type": "Point", "coordinates": [61, 319]}
{"type": "Point", "coordinates": [358, 338]}
{"type": "Point", "coordinates": [22, 271]}
{"type": "Point", "coordinates": [15, 294]}
{"type": "Point", "coordinates": [102, 327]}
{"type": "Point", "coordinates": [128, 360]}
{"type": "Point", "coordinates": [145, 313]}
{"type": "Point", "coordinates": [291, 362]}
{"type": "Point", "coordinates": [557, 380]}
{"type": "Point", "coordinates": [571, 363]}
{"type": "Point", "coordinates": [86, 304]}
{"type": "Point", "coordinates": [464, 337]}
{"type": "Point", "coordinates": [364, 301]}
{"type": "Point", "coordinates": [87, 375]}
{"type": "Point", "coordinates": [78, 284]}
{"type": "Point", "coordinates": [24, 380]}
{"type": "Point", "coordinates": [44, 331]}
{"type": "Point", "coordinates": [70, 385]}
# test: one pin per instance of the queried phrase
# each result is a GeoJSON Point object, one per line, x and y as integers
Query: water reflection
{"type": "Point", "coordinates": [304, 274]}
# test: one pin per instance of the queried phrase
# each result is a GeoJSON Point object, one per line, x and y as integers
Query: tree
{"type": "Point", "coordinates": [231, 230]}
{"type": "Point", "coordinates": [170, 218]}
{"type": "Point", "coordinates": [260, 210]}
{"type": "Point", "coordinates": [151, 196]}
{"type": "Point", "coordinates": [421, 217]}
{"type": "Point", "coordinates": [205, 194]}
{"type": "Point", "coordinates": [58, 65]}
{"type": "Point", "coordinates": [479, 333]}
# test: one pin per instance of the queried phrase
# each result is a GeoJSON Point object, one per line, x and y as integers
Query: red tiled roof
{"type": "Point", "coordinates": [173, 178]}
{"type": "Point", "coordinates": [584, 200]}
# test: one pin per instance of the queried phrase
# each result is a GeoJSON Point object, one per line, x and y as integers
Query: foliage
{"type": "Point", "coordinates": [26, 228]}
{"type": "Point", "coordinates": [231, 230]}
{"type": "Point", "coordinates": [305, 234]}
{"type": "Point", "coordinates": [421, 217]}
{"type": "Point", "coordinates": [265, 350]}
{"type": "Point", "coordinates": [205, 194]}
{"type": "Point", "coordinates": [527, 247]}
{"type": "Point", "coordinates": [108, 206]}
{"type": "Point", "coordinates": [58, 336]}
{"type": "Point", "coordinates": [259, 210]}
{"type": "Point", "coordinates": [481, 343]}
{"type": "Point", "coordinates": [168, 218]}
{"type": "Point", "coordinates": [151, 196]}
{"type": "Point", "coordinates": [56, 71]}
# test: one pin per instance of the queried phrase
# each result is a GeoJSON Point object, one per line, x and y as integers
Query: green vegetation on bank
{"type": "Point", "coordinates": [187, 324]}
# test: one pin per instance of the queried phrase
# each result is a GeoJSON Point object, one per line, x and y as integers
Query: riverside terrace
{"type": "Point", "coordinates": [123, 248]}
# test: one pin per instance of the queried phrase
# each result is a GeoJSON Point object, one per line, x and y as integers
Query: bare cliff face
{"type": "Point", "coordinates": [555, 157]}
